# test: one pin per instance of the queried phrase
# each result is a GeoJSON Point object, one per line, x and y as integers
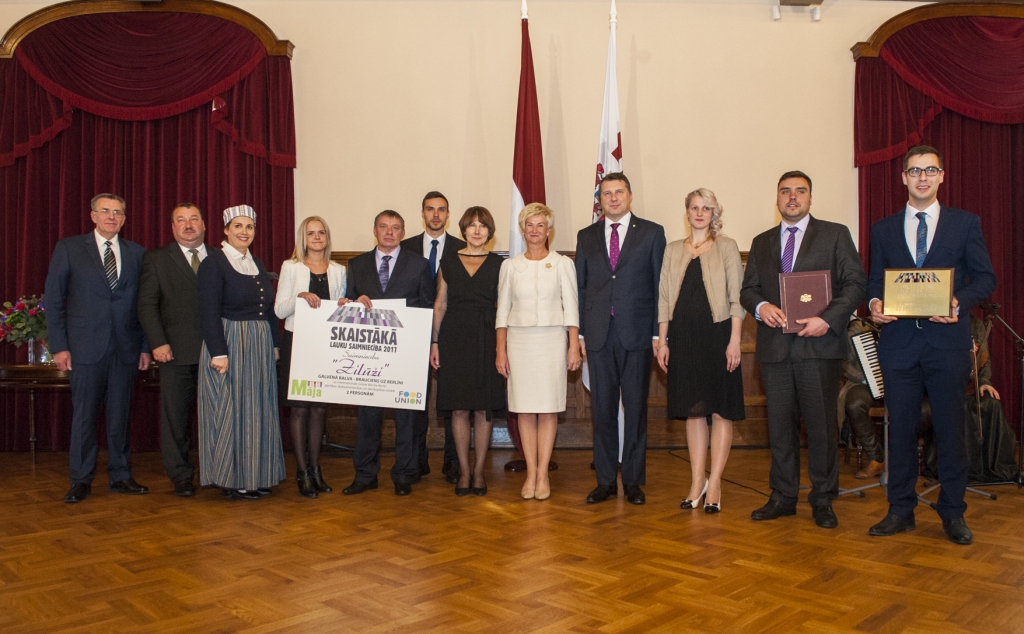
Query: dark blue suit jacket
{"type": "Point", "coordinates": [410, 279]}
{"type": "Point", "coordinates": [958, 244]}
{"type": "Point", "coordinates": [632, 288]}
{"type": "Point", "coordinates": [82, 313]}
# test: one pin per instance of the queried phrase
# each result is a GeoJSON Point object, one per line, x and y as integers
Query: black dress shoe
{"type": "Point", "coordinates": [602, 493]}
{"type": "Point", "coordinates": [263, 491]}
{"type": "Point", "coordinates": [634, 494]}
{"type": "Point", "coordinates": [957, 531]}
{"type": "Point", "coordinates": [424, 469]}
{"type": "Point", "coordinates": [824, 516]}
{"type": "Point", "coordinates": [77, 493]}
{"type": "Point", "coordinates": [772, 511]}
{"type": "Point", "coordinates": [403, 488]}
{"type": "Point", "coordinates": [475, 490]}
{"type": "Point", "coordinates": [359, 487]}
{"type": "Point", "coordinates": [237, 494]}
{"type": "Point", "coordinates": [891, 525]}
{"type": "Point", "coordinates": [307, 488]}
{"type": "Point", "coordinates": [451, 472]}
{"type": "Point", "coordinates": [415, 479]}
{"type": "Point", "coordinates": [318, 480]}
{"type": "Point", "coordinates": [184, 489]}
{"type": "Point", "coordinates": [128, 487]}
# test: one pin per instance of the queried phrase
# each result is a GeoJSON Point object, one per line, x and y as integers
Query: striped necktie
{"type": "Point", "coordinates": [922, 239]}
{"type": "Point", "coordinates": [384, 272]}
{"type": "Point", "coordinates": [110, 266]}
{"type": "Point", "coordinates": [787, 253]}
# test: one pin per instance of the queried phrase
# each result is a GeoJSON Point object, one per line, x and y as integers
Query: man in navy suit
{"type": "Point", "coordinates": [91, 292]}
{"type": "Point", "coordinates": [388, 272]}
{"type": "Point", "coordinates": [618, 268]}
{"type": "Point", "coordinates": [928, 356]}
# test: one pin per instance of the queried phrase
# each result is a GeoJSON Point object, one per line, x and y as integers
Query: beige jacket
{"type": "Point", "coordinates": [723, 273]}
{"type": "Point", "coordinates": [537, 293]}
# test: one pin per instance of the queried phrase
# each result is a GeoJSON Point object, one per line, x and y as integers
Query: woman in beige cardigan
{"type": "Point", "coordinates": [699, 321]}
{"type": "Point", "coordinates": [537, 324]}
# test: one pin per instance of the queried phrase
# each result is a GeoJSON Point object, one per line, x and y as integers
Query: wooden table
{"type": "Point", "coordinates": [31, 378]}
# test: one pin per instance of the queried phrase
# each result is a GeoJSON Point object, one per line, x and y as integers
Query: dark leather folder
{"type": "Point", "coordinates": [804, 294]}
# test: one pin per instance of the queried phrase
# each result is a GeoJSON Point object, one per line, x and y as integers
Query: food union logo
{"type": "Point", "coordinates": [411, 398]}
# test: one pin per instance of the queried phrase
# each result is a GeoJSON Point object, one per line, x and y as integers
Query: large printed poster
{"type": "Point", "coordinates": [348, 354]}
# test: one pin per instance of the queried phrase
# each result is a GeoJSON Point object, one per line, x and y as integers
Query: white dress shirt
{"type": "Point", "coordinates": [910, 223]}
{"type": "Point", "coordinates": [201, 252]}
{"type": "Point", "coordinates": [427, 239]}
{"type": "Point", "coordinates": [240, 262]}
{"type": "Point", "coordinates": [798, 239]}
{"type": "Point", "coordinates": [623, 227]}
{"type": "Point", "coordinates": [115, 246]}
{"type": "Point", "coordinates": [378, 254]}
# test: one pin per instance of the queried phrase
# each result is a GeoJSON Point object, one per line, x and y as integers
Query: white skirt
{"type": "Point", "coordinates": [537, 358]}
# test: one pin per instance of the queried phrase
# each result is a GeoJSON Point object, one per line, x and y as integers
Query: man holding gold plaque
{"type": "Point", "coordinates": [925, 344]}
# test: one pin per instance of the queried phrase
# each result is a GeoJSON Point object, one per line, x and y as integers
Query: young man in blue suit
{"type": "Point", "coordinates": [95, 335]}
{"type": "Point", "coordinates": [618, 269]}
{"type": "Point", "coordinates": [928, 356]}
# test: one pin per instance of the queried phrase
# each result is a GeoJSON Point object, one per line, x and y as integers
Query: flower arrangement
{"type": "Point", "coordinates": [23, 321]}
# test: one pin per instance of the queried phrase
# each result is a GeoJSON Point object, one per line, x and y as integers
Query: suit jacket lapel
{"type": "Point", "coordinates": [805, 244]}
{"type": "Point", "coordinates": [397, 266]}
{"type": "Point", "coordinates": [942, 233]}
{"type": "Point", "coordinates": [93, 254]}
{"type": "Point", "coordinates": [180, 263]}
{"type": "Point", "coordinates": [632, 237]}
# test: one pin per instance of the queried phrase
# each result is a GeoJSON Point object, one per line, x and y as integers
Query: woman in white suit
{"type": "Point", "coordinates": [311, 276]}
{"type": "Point", "coordinates": [537, 341]}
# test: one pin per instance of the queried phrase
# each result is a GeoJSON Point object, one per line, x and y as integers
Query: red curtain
{"type": "Point", "coordinates": [108, 103]}
{"type": "Point", "coordinates": [956, 84]}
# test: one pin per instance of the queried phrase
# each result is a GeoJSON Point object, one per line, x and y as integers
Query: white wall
{"type": "Point", "coordinates": [394, 98]}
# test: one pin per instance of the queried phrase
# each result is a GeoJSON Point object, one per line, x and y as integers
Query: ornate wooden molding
{"type": "Point", "coordinates": [873, 46]}
{"type": "Point", "coordinates": [46, 15]}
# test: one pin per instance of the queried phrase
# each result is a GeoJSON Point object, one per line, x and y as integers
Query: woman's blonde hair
{"type": "Point", "coordinates": [299, 254]}
{"type": "Point", "coordinates": [535, 209]}
{"type": "Point", "coordinates": [715, 227]}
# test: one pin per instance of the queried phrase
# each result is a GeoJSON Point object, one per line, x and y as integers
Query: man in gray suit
{"type": "Point", "coordinates": [801, 371]}
{"type": "Point", "coordinates": [169, 313]}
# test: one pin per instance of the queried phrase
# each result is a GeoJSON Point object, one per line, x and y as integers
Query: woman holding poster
{"type": "Point", "coordinates": [464, 338]}
{"type": "Point", "coordinates": [239, 431]}
{"type": "Point", "coordinates": [309, 276]}
{"type": "Point", "coordinates": [538, 306]}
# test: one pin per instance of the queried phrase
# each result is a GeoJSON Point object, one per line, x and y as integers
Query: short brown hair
{"type": "Point", "coordinates": [615, 176]}
{"type": "Point", "coordinates": [796, 174]}
{"type": "Point", "coordinates": [92, 203]}
{"type": "Point", "coordinates": [389, 213]}
{"type": "Point", "coordinates": [477, 213]}
{"type": "Point", "coordinates": [920, 150]}
{"type": "Point", "coordinates": [187, 206]}
{"type": "Point", "coordinates": [433, 194]}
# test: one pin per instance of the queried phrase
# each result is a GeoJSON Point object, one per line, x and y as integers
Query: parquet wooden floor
{"type": "Point", "coordinates": [497, 564]}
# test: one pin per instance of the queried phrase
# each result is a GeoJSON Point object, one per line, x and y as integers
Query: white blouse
{"type": "Point", "coordinates": [538, 292]}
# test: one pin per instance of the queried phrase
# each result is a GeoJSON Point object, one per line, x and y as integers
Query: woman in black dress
{"type": "Point", "coordinates": [463, 344]}
{"type": "Point", "coordinates": [700, 291]}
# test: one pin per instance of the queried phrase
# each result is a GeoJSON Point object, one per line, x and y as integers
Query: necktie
{"type": "Point", "coordinates": [110, 266]}
{"type": "Point", "coordinates": [433, 258]}
{"type": "Point", "coordinates": [613, 246]}
{"type": "Point", "coordinates": [383, 273]}
{"type": "Point", "coordinates": [922, 239]}
{"type": "Point", "coordinates": [787, 253]}
{"type": "Point", "coordinates": [195, 260]}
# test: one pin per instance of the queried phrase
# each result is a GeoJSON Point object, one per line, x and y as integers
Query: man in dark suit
{"type": "Point", "coordinates": [618, 267]}
{"type": "Point", "coordinates": [91, 290]}
{"type": "Point", "coordinates": [388, 272]}
{"type": "Point", "coordinates": [432, 244]}
{"type": "Point", "coordinates": [801, 371]}
{"type": "Point", "coordinates": [928, 356]}
{"type": "Point", "coordinates": [169, 313]}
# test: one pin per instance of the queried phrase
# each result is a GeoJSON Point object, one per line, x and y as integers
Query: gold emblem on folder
{"type": "Point", "coordinates": [806, 297]}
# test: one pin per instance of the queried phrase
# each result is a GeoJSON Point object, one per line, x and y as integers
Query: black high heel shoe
{"type": "Point", "coordinates": [306, 487]}
{"type": "Point", "coordinates": [464, 491]}
{"type": "Point", "coordinates": [477, 490]}
{"type": "Point", "coordinates": [318, 480]}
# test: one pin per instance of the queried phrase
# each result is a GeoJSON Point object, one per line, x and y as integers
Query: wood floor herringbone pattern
{"type": "Point", "coordinates": [435, 562]}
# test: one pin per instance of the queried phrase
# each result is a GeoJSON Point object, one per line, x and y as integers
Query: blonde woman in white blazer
{"type": "Point", "coordinates": [311, 276]}
{"type": "Point", "coordinates": [537, 341]}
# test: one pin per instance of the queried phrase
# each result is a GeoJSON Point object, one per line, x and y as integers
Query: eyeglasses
{"type": "Point", "coordinates": [930, 171]}
{"type": "Point", "coordinates": [109, 212]}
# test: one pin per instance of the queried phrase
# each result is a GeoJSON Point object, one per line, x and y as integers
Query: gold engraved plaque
{"type": "Point", "coordinates": [919, 293]}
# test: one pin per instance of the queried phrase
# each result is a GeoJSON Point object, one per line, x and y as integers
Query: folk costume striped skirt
{"type": "Point", "coordinates": [239, 428]}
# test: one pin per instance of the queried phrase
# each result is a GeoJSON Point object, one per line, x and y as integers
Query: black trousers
{"type": "Point", "coordinates": [366, 458]}
{"type": "Point", "coordinates": [178, 385]}
{"type": "Point", "coordinates": [110, 383]}
{"type": "Point", "coordinates": [807, 388]}
{"type": "Point", "coordinates": [909, 373]}
{"type": "Point", "coordinates": [613, 368]}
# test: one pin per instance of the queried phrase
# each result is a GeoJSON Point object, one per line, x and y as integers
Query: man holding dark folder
{"type": "Point", "coordinates": [927, 355]}
{"type": "Point", "coordinates": [801, 369]}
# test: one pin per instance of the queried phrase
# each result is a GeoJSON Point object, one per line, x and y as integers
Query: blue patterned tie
{"type": "Point", "coordinates": [383, 273]}
{"type": "Point", "coordinates": [922, 239]}
{"type": "Point", "coordinates": [787, 253]}
{"type": "Point", "coordinates": [433, 258]}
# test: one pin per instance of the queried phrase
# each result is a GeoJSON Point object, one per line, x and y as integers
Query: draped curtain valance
{"type": "Point", "coordinates": [142, 67]}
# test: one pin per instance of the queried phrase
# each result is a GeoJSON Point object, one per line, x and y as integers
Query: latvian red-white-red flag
{"type": "Point", "coordinates": [528, 162]}
{"type": "Point", "coordinates": [609, 150]}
